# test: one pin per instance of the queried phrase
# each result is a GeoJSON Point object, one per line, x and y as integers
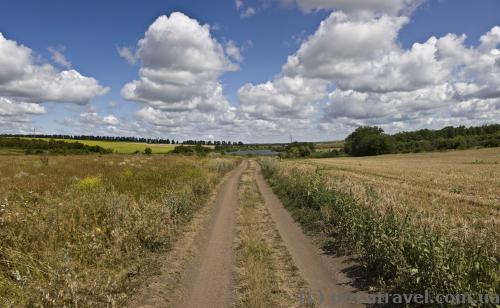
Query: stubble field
{"type": "Point", "coordinates": [456, 191]}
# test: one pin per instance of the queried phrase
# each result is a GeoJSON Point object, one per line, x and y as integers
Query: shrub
{"type": "Point", "coordinates": [192, 150]}
{"type": "Point", "coordinates": [89, 182]}
{"type": "Point", "coordinates": [148, 151]}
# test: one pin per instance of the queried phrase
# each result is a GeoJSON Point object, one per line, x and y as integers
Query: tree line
{"type": "Point", "coordinates": [96, 138]}
{"type": "Point", "coordinates": [39, 146]}
{"type": "Point", "coordinates": [210, 142]}
{"type": "Point", "coordinates": [125, 139]}
{"type": "Point", "coordinates": [371, 140]}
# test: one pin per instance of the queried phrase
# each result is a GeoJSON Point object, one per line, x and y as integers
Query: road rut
{"type": "Point", "coordinates": [324, 274]}
{"type": "Point", "coordinates": [208, 280]}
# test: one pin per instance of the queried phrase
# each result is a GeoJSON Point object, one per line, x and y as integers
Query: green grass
{"type": "Point", "coordinates": [124, 147]}
{"type": "Point", "coordinates": [7, 151]}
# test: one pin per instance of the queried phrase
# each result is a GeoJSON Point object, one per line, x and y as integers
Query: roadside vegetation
{"type": "Point", "coordinates": [266, 276]}
{"type": "Point", "coordinates": [415, 222]}
{"type": "Point", "coordinates": [85, 230]}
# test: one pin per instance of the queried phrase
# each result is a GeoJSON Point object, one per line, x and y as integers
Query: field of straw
{"type": "Point", "coordinates": [81, 230]}
{"type": "Point", "coordinates": [454, 192]}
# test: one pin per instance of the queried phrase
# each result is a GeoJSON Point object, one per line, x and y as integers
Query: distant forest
{"type": "Point", "coordinates": [124, 139]}
{"type": "Point", "coordinates": [448, 138]}
{"type": "Point", "coordinates": [367, 140]}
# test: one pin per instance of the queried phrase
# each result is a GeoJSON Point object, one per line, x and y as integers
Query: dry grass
{"type": "Point", "coordinates": [265, 273]}
{"type": "Point", "coordinates": [79, 230]}
{"type": "Point", "coordinates": [328, 146]}
{"type": "Point", "coordinates": [455, 192]}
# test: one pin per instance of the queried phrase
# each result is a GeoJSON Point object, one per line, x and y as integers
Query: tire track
{"type": "Point", "coordinates": [328, 285]}
{"type": "Point", "coordinates": [208, 279]}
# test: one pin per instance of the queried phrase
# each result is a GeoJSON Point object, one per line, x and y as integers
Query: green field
{"type": "Point", "coordinates": [123, 147]}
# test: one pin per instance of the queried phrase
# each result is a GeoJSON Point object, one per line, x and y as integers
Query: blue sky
{"type": "Point", "coordinates": [88, 33]}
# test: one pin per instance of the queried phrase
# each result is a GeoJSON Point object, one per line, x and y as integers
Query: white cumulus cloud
{"type": "Point", "coordinates": [181, 64]}
{"type": "Point", "coordinates": [373, 80]}
{"type": "Point", "coordinates": [24, 84]}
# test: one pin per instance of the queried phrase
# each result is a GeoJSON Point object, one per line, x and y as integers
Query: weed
{"type": "Point", "coordinates": [89, 182]}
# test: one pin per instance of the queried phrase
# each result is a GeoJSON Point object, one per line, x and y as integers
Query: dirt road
{"type": "Point", "coordinates": [324, 274]}
{"type": "Point", "coordinates": [208, 279]}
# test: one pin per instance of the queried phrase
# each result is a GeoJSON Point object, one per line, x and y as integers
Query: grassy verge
{"type": "Point", "coordinates": [266, 274]}
{"type": "Point", "coordinates": [80, 230]}
{"type": "Point", "coordinates": [397, 252]}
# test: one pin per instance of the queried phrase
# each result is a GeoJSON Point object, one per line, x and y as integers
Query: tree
{"type": "Point", "coordinates": [367, 141]}
{"type": "Point", "coordinates": [300, 149]}
{"type": "Point", "coordinates": [148, 151]}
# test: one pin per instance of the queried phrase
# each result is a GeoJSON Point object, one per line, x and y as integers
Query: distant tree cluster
{"type": "Point", "coordinates": [447, 138]}
{"type": "Point", "coordinates": [367, 140]}
{"type": "Point", "coordinates": [38, 146]}
{"type": "Point", "coordinates": [210, 142]}
{"type": "Point", "coordinates": [225, 148]}
{"type": "Point", "coordinates": [299, 149]}
{"type": "Point", "coordinates": [191, 150]}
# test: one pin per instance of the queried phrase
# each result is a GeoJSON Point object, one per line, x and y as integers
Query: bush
{"type": "Point", "coordinates": [148, 151]}
{"type": "Point", "coordinates": [192, 150]}
{"type": "Point", "coordinates": [299, 149]}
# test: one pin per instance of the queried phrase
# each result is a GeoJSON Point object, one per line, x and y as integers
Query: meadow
{"type": "Point", "coordinates": [120, 147]}
{"type": "Point", "coordinates": [85, 230]}
{"type": "Point", "coordinates": [416, 222]}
